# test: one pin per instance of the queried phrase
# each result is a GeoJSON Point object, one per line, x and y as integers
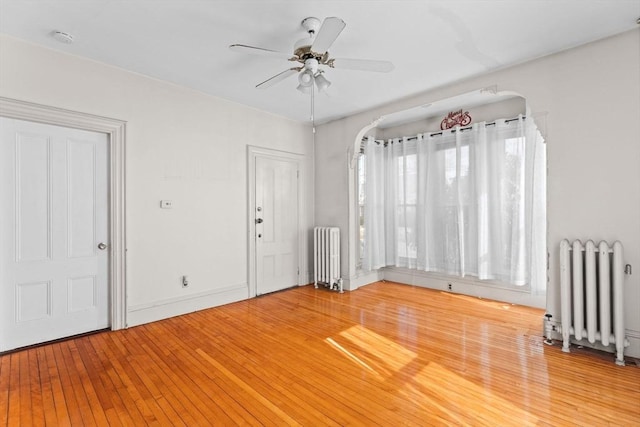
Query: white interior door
{"type": "Point", "coordinates": [53, 233]}
{"type": "Point", "coordinates": [276, 215]}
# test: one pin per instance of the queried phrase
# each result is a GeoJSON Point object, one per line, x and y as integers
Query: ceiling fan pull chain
{"type": "Point", "coordinates": [313, 104]}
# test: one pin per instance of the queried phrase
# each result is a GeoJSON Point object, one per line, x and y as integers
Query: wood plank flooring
{"type": "Point", "coordinates": [386, 354]}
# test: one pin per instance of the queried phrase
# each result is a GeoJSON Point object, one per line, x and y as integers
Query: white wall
{"type": "Point", "coordinates": [587, 100]}
{"type": "Point", "coordinates": [182, 145]}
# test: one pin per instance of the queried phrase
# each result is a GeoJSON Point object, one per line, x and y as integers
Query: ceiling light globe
{"type": "Point", "coordinates": [322, 83]}
{"type": "Point", "coordinates": [304, 89]}
{"type": "Point", "coordinates": [305, 78]}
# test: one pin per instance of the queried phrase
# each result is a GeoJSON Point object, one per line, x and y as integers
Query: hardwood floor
{"type": "Point", "coordinates": [386, 354]}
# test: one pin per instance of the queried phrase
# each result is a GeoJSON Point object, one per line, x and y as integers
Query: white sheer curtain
{"type": "Point", "coordinates": [374, 207]}
{"type": "Point", "coordinates": [469, 202]}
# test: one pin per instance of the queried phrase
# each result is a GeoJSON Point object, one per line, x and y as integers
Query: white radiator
{"type": "Point", "coordinates": [326, 257]}
{"type": "Point", "coordinates": [591, 294]}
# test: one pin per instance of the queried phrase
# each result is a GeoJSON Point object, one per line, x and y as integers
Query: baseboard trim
{"type": "Point", "coordinates": [634, 344]}
{"type": "Point", "coordinates": [162, 309]}
{"type": "Point", "coordinates": [361, 279]}
{"type": "Point", "coordinates": [464, 286]}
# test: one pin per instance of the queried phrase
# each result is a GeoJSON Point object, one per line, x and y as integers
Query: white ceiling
{"type": "Point", "coordinates": [431, 43]}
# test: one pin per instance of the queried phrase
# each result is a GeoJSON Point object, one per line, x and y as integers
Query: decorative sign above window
{"type": "Point", "coordinates": [455, 118]}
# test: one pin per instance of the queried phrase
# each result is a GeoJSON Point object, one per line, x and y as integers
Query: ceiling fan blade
{"type": "Point", "coordinates": [277, 78]}
{"type": "Point", "coordinates": [328, 33]}
{"type": "Point", "coordinates": [362, 64]}
{"type": "Point", "coordinates": [252, 50]}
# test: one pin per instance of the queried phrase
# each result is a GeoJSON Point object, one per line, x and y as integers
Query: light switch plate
{"type": "Point", "coordinates": [166, 204]}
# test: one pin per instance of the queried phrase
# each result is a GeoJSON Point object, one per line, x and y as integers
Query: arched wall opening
{"type": "Point", "coordinates": [483, 105]}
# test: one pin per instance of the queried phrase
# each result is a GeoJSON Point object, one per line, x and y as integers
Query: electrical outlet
{"type": "Point", "coordinates": [449, 286]}
{"type": "Point", "coordinates": [185, 281]}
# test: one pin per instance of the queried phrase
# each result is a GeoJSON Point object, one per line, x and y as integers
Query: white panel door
{"type": "Point", "coordinates": [276, 224]}
{"type": "Point", "coordinates": [53, 224]}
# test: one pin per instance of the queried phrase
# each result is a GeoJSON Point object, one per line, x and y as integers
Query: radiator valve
{"type": "Point", "coordinates": [548, 327]}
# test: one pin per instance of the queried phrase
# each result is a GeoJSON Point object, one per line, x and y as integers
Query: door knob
{"type": "Point", "coordinates": [259, 221]}
{"type": "Point", "coordinates": [102, 246]}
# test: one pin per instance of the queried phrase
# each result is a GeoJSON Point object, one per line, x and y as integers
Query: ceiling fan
{"type": "Point", "coordinates": [312, 53]}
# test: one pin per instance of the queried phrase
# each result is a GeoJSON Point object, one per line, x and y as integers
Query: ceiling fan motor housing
{"type": "Point", "coordinates": [304, 52]}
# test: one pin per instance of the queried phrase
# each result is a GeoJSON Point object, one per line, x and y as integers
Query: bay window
{"type": "Point", "coordinates": [463, 202]}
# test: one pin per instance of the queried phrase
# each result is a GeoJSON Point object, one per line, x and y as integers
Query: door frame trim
{"type": "Point", "coordinates": [116, 131]}
{"type": "Point", "coordinates": [253, 152]}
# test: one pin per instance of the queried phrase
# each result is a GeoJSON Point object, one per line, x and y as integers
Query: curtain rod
{"type": "Point", "coordinates": [440, 133]}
